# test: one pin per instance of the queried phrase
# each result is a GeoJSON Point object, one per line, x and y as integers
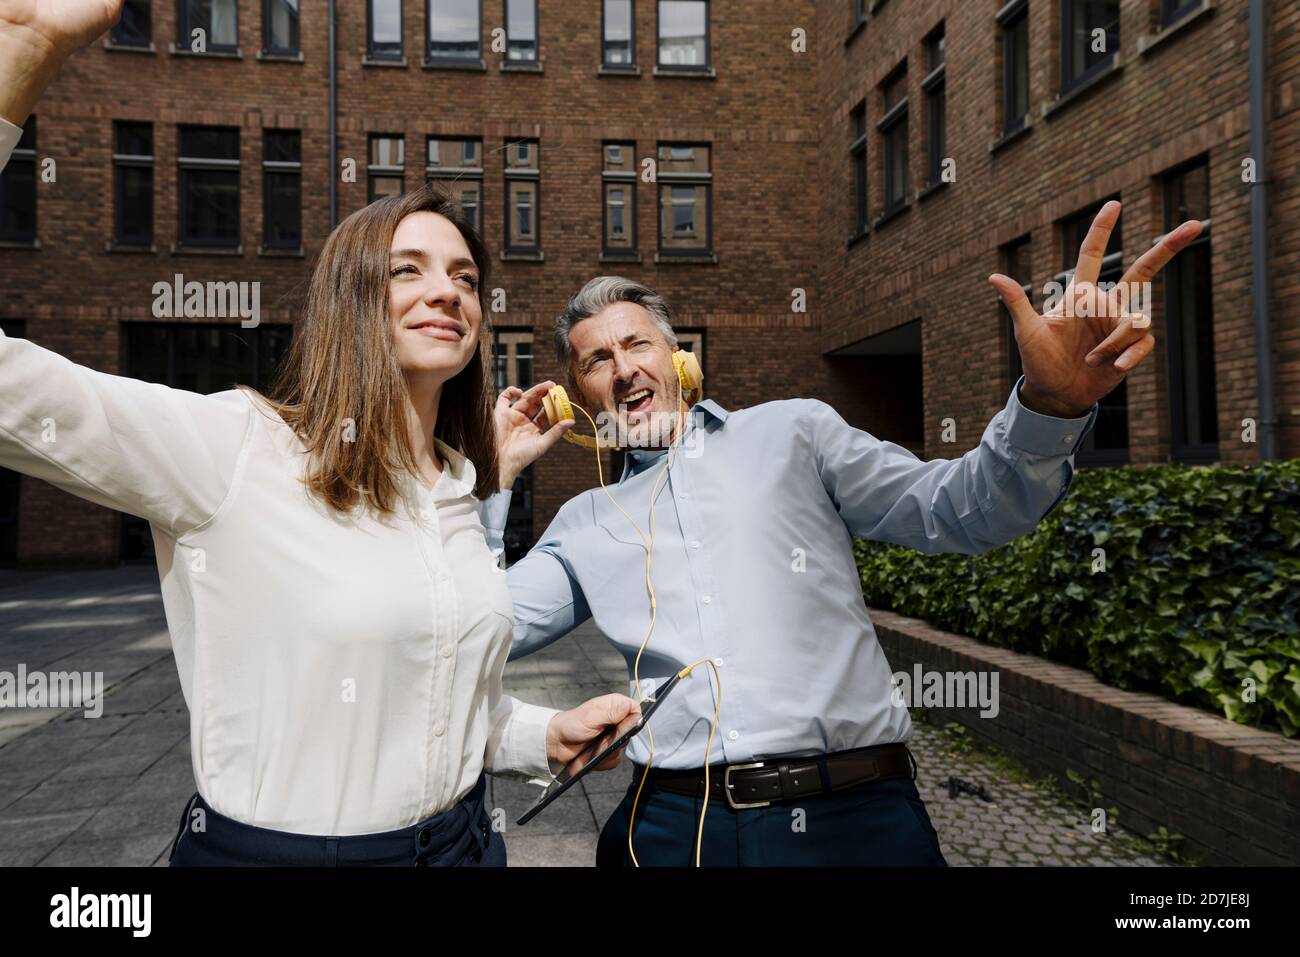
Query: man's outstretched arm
{"type": "Point", "coordinates": [1073, 355]}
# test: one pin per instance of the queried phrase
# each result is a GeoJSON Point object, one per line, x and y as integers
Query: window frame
{"type": "Point", "coordinates": [934, 88]}
{"type": "Point", "coordinates": [379, 171]}
{"type": "Point", "coordinates": [708, 41]}
{"type": "Point", "coordinates": [271, 168]}
{"type": "Point", "coordinates": [450, 175]}
{"type": "Point", "coordinates": [1011, 19]}
{"type": "Point", "coordinates": [118, 40]}
{"type": "Point", "coordinates": [184, 28]}
{"type": "Point", "coordinates": [858, 158]}
{"type": "Point", "coordinates": [24, 155]}
{"type": "Point", "coordinates": [1193, 453]}
{"type": "Point", "coordinates": [185, 166]}
{"type": "Point", "coordinates": [373, 52]}
{"type": "Point", "coordinates": [628, 179]}
{"type": "Point", "coordinates": [537, 35]}
{"type": "Point", "coordinates": [531, 174]}
{"type": "Point", "coordinates": [1068, 83]}
{"type": "Point", "coordinates": [605, 64]}
{"type": "Point", "coordinates": [122, 162]}
{"type": "Point", "coordinates": [704, 180]}
{"type": "Point", "coordinates": [1172, 11]}
{"type": "Point", "coordinates": [267, 48]}
{"type": "Point", "coordinates": [473, 59]}
{"type": "Point", "coordinates": [895, 116]}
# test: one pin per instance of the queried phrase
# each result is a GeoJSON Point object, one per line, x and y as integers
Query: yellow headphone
{"type": "Point", "coordinates": [559, 407]}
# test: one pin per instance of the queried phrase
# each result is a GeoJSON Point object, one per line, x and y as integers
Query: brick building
{"type": "Point", "coordinates": [789, 220]}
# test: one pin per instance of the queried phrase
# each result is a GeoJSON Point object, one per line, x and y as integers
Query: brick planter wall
{"type": "Point", "coordinates": [1233, 791]}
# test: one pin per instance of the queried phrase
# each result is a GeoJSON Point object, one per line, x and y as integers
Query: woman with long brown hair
{"type": "Point", "coordinates": [339, 623]}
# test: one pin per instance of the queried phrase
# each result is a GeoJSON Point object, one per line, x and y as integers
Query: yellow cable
{"type": "Point", "coordinates": [654, 612]}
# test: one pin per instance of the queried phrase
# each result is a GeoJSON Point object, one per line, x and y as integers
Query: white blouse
{"type": "Point", "coordinates": [343, 673]}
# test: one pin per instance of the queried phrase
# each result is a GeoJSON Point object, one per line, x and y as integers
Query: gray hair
{"type": "Point", "coordinates": [597, 296]}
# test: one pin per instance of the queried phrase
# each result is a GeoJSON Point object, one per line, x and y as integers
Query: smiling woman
{"type": "Point", "coordinates": [339, 624]}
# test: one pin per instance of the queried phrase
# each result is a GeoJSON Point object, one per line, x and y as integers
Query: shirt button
{"type": "Point", "coordinates": [437, 731]}
{"type": "Point", "coordinates": [733, 734]}
{"type": "Point", "coordinates": [718, 662]}
{"type": "Point", "coordinates": [1068, 439]}
{"type": "Point", "coordinates": [707, 599]}
{"type": "Point", "coordinates": [446, 652]}
{"type": "Point", "coordinates": [682, 495]}
{"type": "Point", "coordinates": [695, 544]}
{"type": "Point", "coordinates": [442, 577]}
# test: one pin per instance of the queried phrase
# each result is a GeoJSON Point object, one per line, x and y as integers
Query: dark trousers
{"type": "Point", "coordinates": [461, 836]}
{"type": "Point", "coordinates": [883, 824]}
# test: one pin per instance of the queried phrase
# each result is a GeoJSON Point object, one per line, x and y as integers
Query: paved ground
{"type": "Point", "coordinates": [109, 791]}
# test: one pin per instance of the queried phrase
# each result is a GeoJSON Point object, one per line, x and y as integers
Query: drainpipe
{"type": "Point", "coordinates": [333, 124]}
{"type": "Point", "coordinates": [1259, 232]}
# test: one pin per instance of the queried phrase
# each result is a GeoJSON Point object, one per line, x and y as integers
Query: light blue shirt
{"type": "Point", "coordinates": [753, 566]}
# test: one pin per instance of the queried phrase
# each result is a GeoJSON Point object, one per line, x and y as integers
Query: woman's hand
{"type": "Point", "coordinates": [570, 732]}
{"type": "Point", "coordinates": [520, 439]}
{"type": "Point", "coordinates": [36, 36]}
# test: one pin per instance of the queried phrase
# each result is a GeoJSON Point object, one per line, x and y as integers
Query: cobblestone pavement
{"type": "Point", "coordinates": [109, 791]}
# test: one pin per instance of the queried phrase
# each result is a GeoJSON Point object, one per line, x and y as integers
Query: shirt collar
{"type": "Point", "coordinates": [457, 480]}
{"type": "Point", "coordinates": [638, 460]}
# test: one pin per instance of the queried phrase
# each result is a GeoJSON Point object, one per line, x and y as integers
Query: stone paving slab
{"type": "Point", "coordinates": [110, 790]}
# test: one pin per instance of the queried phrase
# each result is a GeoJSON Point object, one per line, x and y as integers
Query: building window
{"type": "Point", "coordinates": [521, 31]}
{"type": "Point", "coordinates": [456, 164]}
{"type": "Point", "coordinates": [454, 31]}
{"type": "Point", "coordinates": [218, 19]}
{"type": "Point", "coordinates": [209, 186]}
{"type": "Point", "coordinates": [18, 190]}
{"type": "Point", "coordinates": [1107, 443]}
{"type": "Point", "coordinates": [280, 34]}
{"type": "Point", "coordinates": [387, 166]}
{"type": "Point", "coordinates": [197, 357]}
{"type": "Point", "coordinates": [684, 34]}
{"type": "Point", "coordinates": [384, 29]}
{"type": "Point", "coordinates": [282, 189]}
{"type": "Point", "coordinates": [1171, 11]}
{"type": "Point", "coordinates": [512, 364]}
{"type": "Point", "coordinates": [933, 87]}
{"type": "Point", "coordinates": [619, 186]}
{"type": "Point", "coordinates": [618, 34]}
{"type": "Point", "coordinates": [523, 197]}
{"type": "Point", "coordinates": [858, 159]}
{"type": "Point", "coordinates": [893, 130]}
{"type": "Point", "coordinates": [1013, 22]}
{"type": "Point", "coordinates": [1089, 39]}
{"type": "Point", "coordinates": [1189, 312]}
{"type": "Point", "coordinates": [685, 200]}
{"type": "Point", "coordinates": [133, 184]}
{"type": "Point", "coordinates": [1016, 264]}
{"type": "Point", "coordinates": [135, 27]}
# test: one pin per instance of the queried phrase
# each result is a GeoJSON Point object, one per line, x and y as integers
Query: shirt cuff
{"type": "Point", "coordinates": [527, 742]}
{"type": "Point", "coordinates": [1045, 434]}
{"type": "Point", "coordinates": [9, 137]}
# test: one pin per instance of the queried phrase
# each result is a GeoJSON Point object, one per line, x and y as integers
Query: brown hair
{"type": "Point", "coordinates": [342, 367]}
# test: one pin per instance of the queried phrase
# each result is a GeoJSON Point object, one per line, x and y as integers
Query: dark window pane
{"type": "Point", "coordinates": [209, 143]}
{"type": "Point", "coordinates": [283, 146]}
{"type": "Point", "coordinates": [1015, 50]}
{"type": "Point", "coordinates": [18, 200]}
{"type": "Point", "coordinates": [133, 199]}
{"type": "Point", "coordinates": [134, 29]}
{"type": "Point", "coordinates": [216, 18]}
{"type": "Point", "coordinates": [1091, 36]}
{"type": "Point", "coordinates": [134, 139]}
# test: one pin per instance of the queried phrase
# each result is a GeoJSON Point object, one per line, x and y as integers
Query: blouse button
{"type": "Point", "coordinates": [446, 652]}
{"type": "Point", "coordinates": [437, 731]}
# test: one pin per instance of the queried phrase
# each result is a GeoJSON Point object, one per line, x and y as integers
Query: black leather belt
{"type": "Point", "coordinates": [761, 783]}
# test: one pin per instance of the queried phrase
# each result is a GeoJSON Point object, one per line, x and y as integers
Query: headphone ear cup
{"type": "Point", "coordinates": [688, 370]}
{"type": "Point", "coordinates": [556, 405]}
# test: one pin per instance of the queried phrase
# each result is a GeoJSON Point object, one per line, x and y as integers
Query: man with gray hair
{"type": "Point", "coordinates": [753, 568]}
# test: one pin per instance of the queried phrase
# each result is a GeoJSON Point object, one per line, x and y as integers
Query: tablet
{"type": "Point", "coordinates": [563, 781]}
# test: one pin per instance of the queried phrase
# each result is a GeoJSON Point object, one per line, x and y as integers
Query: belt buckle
{"type": "Point", "coordinates": [727, 785]}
